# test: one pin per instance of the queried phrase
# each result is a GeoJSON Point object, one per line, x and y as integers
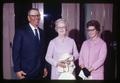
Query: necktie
{"type": "Point", "coordinates": [36, 35]}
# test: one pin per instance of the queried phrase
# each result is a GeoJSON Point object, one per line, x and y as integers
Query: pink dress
{"type": "Point", "coordinates": [93, 54]}
{"type": "Point", "coordinates": [55, 49]}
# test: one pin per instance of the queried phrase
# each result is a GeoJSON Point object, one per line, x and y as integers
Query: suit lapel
{"type": "Point", "coordinates": [30, 32]}
{"type": "Point", "coordinates": [41, 36]}
{"type": "Point", "coordinates": [40, 33]}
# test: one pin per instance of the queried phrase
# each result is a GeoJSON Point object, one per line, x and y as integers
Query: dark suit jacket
{"type": "Point", "coordinates": [28, 54]}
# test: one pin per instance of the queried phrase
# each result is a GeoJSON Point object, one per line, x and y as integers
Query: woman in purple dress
{"type": "Point", "coordinates": [60, 46]}
{"type": "Point", "coordinates": [93, 53]}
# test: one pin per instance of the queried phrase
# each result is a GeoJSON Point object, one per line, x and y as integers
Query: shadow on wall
{"type": "Point", "coordinates": [107, 37]}
{"type": "Point", "coordinates": [109, 66]}
{"type": "Point", "coordinates": [75, 34]}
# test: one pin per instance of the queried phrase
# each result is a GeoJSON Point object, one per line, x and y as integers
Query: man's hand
{"type": "Point", "coordinates": [45, 72]}
{"type": "Point", "coordinates": [20, 74]}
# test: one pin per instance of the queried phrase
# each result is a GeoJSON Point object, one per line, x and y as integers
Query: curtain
{"type": "Point", "coordinates": [71, 13]}
{"type": "Point", "coordinates": [101, 12]}
{"type": "Point", "coordinates": [8, 33]}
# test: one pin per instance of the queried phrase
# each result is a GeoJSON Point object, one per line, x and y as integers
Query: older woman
{"type": "Point", "coordinates": [58, 48]}
{"type": "Point", "coordinates": [93, 53]}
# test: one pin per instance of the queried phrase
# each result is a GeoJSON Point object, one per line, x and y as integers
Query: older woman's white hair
{"type": "Point", "coordinates": [61, 22]}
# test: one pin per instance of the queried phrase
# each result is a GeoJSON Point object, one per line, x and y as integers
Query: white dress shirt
{"type": "Point", "coordinates": [33, 29]}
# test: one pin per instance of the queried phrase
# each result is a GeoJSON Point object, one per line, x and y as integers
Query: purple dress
{"type": "Point", "coordinates": [93, 54]}
{"type": "Point", "coordinates": [55, 49]}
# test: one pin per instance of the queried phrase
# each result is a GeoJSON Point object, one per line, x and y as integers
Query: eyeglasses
{"type": "Point", "coordinates": [91, 30]}
{"type": "Point", "coordinates": [61, 27]}
{"type": "Point", "coordinates": [35, 15]}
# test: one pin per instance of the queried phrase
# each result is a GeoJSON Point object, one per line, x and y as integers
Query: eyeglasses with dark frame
{"type": "Point", "coordinates": [61, 27]}
{"type": "Point", "coordinates": [35, 15]}
{"type": "Point", "coordinates": [91, 30]}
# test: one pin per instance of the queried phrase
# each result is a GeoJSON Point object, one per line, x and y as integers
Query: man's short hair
{"type": "Point", "coordinates": [32, 9]}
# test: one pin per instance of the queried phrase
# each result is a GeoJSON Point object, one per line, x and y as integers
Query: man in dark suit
{"type": "Point", "coordinates": [28, 49]}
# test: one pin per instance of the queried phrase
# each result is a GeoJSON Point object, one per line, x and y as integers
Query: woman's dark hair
{"type": "Point", "coordinates": [94, 23]}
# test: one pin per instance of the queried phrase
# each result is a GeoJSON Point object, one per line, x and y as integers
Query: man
{"type": "Point", "coordinates": [28, 48]}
